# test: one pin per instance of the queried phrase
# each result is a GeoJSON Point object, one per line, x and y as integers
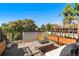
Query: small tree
{"type": "Point", "coordinates": [43, 27]}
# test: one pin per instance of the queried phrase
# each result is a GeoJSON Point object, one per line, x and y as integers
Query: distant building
{"type": "Point", "coordinates": [70, 25]}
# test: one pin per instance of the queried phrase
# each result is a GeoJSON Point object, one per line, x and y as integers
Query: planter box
{"type": "Point", "coordinates": [62, 40]}
{"type": "Point", "coordinates": [54, 38]}
{"type": "Point", "coordinates": [2, 46]}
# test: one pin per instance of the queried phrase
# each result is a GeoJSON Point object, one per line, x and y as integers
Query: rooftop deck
{"type": "Point", "coordinates": [17, 49]}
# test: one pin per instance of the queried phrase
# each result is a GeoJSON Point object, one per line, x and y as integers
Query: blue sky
{"type": "Point", "coordinates": [41, 13]}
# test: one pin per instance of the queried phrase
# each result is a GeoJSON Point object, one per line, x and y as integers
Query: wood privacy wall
{"type": "Point", "coordinates": [2, 46]}
{"type": "Point", "coordinates": [62, 40]}
{"type": "Point", "coordinates": [32, 36]}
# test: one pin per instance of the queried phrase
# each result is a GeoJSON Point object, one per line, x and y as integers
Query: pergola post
{"type": "Point", "coordinates": [78, 32]}
{"type": "Point", "coordinates": [77, 40]}
{"type": "Point", "coordinates": [58, 32]}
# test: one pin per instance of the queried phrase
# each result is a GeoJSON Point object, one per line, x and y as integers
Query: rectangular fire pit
{"type": "Point", "coordinates": [44, 47]}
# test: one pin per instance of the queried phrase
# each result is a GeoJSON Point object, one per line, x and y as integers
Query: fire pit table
{"type": "Point", "coordinates": [44, 47]}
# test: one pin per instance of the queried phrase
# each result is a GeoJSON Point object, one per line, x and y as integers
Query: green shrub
{"type": "Point", "coordinates": [52, 33]}
{"type": "Point", "coordinates": [2, 37]}
{"type": "Point", "coordinates": [17, 36]}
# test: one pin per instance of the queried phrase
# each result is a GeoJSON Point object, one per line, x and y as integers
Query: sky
{"type": "Point", "coordinates": [41, 13]}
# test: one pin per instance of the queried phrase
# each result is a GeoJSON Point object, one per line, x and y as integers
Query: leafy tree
{"type": "Point", "coordinates": [43, 28]}
{"type": "Point", "coordinates": [15, 28]}
{"type": "Point", "coordinates": [68, 14]}
{"type": "Point", "coordinates": [2, 36]}
{"type": "Point", "coordinates": [76, 13]}
{"type": "Point", "coordinates": [48, 27]}
{"type": "Point", "coordinates": [71, 14]}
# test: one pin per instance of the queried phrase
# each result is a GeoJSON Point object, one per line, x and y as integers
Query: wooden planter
{"type": "Point", "coordinates": [2, 46]}
{"type": "Point", "coordinates": [62, 40]}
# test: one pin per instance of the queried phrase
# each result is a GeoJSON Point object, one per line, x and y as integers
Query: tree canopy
{"type": "Point", "coordinates": [68, 13]}
{"type": "Point", "coordinates": [18, 26]}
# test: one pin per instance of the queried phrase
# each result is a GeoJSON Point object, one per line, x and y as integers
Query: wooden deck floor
{"type": "Point", "coordinates": [17, 49]}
